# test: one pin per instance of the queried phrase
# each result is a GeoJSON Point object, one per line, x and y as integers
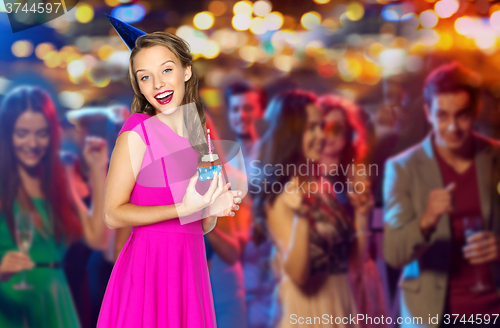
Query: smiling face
{"type": "Point", "coordinates": [244, 109]}
{"type": "Point", "coordinates": [161, 78]}
{"type": "Point", "coordinates": [451, 118]}
{"type": "Point", "coordinates": [314, 138]}
{"type": "Point", "coordinates": [335, 130]}
{"type": "Point", "coordinates": [31, 138]}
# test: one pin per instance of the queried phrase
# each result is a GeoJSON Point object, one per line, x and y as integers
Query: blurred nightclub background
{"type": "Point", "coordinates": [375, 53]}
{"type": "Point", "coordinates": [346, 46]}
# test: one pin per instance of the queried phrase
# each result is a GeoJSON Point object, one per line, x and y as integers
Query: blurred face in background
{"type": "Point", "coordinates": [313, 140]}
{"type": "Point", "coordinates": [335, 128]}
{"type": "Point", "coordinates": [244, 109]}
{"type": "Point", "coordinates": [452, 118]}
{"type": "Point", "coordinates": [31, 138]}
{"type": "Point", "coordinates": [161, 78]}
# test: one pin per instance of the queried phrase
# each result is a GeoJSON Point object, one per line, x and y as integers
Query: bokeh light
{"type": "Point", "coordinates": [72, 100]}
{"type": "Point", "coordinates": [203, 20]}
{"type": "Point", "coordinates": [257, 26]}
{"type": "Point", "coordinates": [326, 69]}
{"type": "Point", "coordinates": [105, 51]}
{"type": "Point", "coordinates": [485, 40]}
{"type": "Point", "coordinates": [52, 59]}
{"type": "Point", "coordinates": [212, 50]}
{"type": "Point", "coordinates": [243, 7]}
{"type": "Point", "coordinates": [241, 22]}
{"type": "Point", "coordinates": [283, 63]}
{"type": "Point", "coordinates": [262, 8]}
{"type": "Point", "coordinates": [218, 8]}
{"type": "Point", "coordinates": [129, 13]}
{"type": "Point", "coordinates": [428, 19]}
{"type": "Point", "coordinates": [446, 8]}
{"type": "Point", "coordinates": [249, 53]}
{"type": "Point", "coordinates": [349, 68]}
{"type": "Point", "coordinates": [84, 13]}
{"type": "Point", "coordinates": [273, 21]}
{"type": "Point", "coordinates": [76, 68]}
{"type": "Point", "coordinates": [42, 49]}
{"type": "Point", "coordinates": [310, 20]}
{"type": "Point", "coordinates": [22, 48]}
{"type": "Point", "coordinates": [355, 11]}
{"type": "Point", "coordinates": [495, 20]}
{"type": "Point", "coordinates": [397, 11]}
{"type": "Point", "coordinates": [112, 3]}
{"type": "Point", "coordinates": [465, 26]}
{"type": "Point", "coordinates": [321, 2]}
{"type": "Point", "coordinates": [226, 39]}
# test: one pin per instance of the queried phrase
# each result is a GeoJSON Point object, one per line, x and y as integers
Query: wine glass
{"type": "Point", "coordinates": [472, 226]}
{"type": "Point", "coordinates": [24, 237]}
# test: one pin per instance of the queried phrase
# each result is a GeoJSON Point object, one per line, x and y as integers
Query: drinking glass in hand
{"type": "Point", "coordinates": [472, 226]}
{"type": "Point", "coordinates": [24, 237]}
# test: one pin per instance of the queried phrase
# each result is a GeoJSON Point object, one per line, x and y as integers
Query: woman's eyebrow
{"type": "Point", "coordinates": [170, 60]}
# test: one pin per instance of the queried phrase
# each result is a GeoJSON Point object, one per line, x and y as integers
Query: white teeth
{"type": "Point", "coordinates": [163, 95]}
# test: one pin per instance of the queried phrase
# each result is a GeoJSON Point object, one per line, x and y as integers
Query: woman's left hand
{"type": "Point", "coordinates": [361, 200]}
{"type": "Point", "coordinates": [221, 207]}
{"type": "Point", "coordinates": [95, 152]}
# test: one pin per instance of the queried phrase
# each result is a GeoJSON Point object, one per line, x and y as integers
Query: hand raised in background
{"type": "Point", "coordinates": [95, 153]}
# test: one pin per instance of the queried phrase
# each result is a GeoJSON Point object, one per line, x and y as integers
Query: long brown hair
{"type": "Point", "coordinates": [181, 50]}
{"type": "Point", "coordinates": [280, 145]}
{"type": "Point", "coordinates": [63, 218]}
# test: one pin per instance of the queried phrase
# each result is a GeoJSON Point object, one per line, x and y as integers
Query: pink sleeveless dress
{"type": "Point", "coordinates": [161, 276]}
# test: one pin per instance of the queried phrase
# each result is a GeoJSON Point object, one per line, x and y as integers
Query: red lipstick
{"type": "Point", "coordinates": [164, 97]}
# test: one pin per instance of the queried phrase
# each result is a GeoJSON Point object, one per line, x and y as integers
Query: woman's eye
{"type": "Point", "coordinates": [144, 78]}
{"type": "Point", "coordinates": [43, 134]}
{"type": "Point", "coordinates": [21, 134]}
{"type": "Point", "coordinates": [167, 69]}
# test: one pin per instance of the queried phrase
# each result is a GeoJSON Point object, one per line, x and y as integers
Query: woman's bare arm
{"type": "Point", "coordinates": [124, 168]}
{"type": "Point", "coordinates": [291, 235]}
{"type": "Point", "coordinates": [95, 232]}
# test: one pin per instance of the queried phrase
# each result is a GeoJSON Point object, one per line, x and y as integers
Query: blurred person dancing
{"type": "Point", "coordinates": [226, 272]}
{"type": "Point", "coordinates": [433, 195]}
{"type": "Point", "coordinates": [33, 180]}
{"type": "Point", "coordinates": [309, 227]}
{"type": "Point", "coordinates": [246, 103]}
{"type": "Point", "coordinates": [346, 146]}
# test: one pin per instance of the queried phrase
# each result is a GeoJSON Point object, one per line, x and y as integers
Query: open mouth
{"type": "Point", "coordinates": [164, 97]}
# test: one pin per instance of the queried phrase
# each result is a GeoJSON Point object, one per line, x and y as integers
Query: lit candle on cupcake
{"type": "Point", "coordinates": [210, 163]}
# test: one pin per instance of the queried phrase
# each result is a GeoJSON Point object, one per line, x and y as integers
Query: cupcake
{"type": "Point", "coordinates": [210, 163]}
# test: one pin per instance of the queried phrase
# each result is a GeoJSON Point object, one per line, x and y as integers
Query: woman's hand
{"type": "Point", "coordinates": [225, 204]}
{"type": "Point", "coordinates": [292, 195]}
{"type": "Point", "coordinates": [361, 200]}
{"type": "Point", "coordinates": [14, 262]}
{"type": "Point", "coordinates": [194, 202]}
{"type": "Point", "coordinates": [95, 153]}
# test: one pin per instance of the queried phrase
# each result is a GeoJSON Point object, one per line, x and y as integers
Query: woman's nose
{"type": "Point", "coordinates": [32, 141]}
{"type": "Point", "coordinates": [158, 84]}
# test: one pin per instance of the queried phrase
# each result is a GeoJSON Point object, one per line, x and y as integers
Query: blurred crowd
{"type": "Point", "coordinates": [397, 214]}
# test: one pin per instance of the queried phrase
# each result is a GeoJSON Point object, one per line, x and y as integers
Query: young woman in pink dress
{"type": "Point", "coordinates": [160, 278]}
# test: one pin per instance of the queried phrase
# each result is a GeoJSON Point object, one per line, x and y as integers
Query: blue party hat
{"type": "Point", "coordinates": [128, 33]}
